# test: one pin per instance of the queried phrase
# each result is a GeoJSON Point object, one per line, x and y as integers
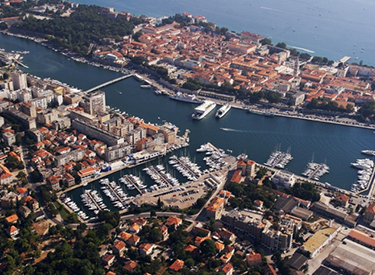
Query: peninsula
{"type": "Point", "coordinates": [232, 216]}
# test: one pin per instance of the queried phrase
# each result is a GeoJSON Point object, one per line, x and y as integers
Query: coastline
{"type": "Point", "coordinates": [159, 85]}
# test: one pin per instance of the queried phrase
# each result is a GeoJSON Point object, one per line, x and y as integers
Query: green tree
{"type": "Point", "coordinates": [155, 235]}
{"type": "Point", "coordinates": [266, 41]}
{"type": "Point", "coordinates": [208, 248]}
{"type": "Point", "coordinates": [281, 45]}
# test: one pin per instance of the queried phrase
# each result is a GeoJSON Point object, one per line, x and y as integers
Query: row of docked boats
{"type": "Point", "coordinates": [132, 182]}
{"type": "Point", "coordinates": [365, 169]}
{"type": "Point", "coordinates": [186, 167]}
{"type": "Point", "coordinates": [115, 193]}
{"type": "Point", "coordinates": [160, 176]}
{"type": "Point", "coordinates": [92, 200]}
{"type": "Point", "coordinates": [97, 200]}
{"type": "Point", "coordinates": [315, 170]}
{"type": "Point", "coordinates": [215, 160]}
{"type": "Point", "coordinates": [74, 207]}
{"type": "Point", "coordinates": [278, 159]}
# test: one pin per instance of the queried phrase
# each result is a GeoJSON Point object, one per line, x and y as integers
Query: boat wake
{"type": "Point", "coordinates": [271, 9]}
{"type": "Point", "coordinates": [302, 49]}
{"type": "Point", "coordinates": [234, 130]}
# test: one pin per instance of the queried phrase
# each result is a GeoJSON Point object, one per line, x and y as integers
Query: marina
{"type": "Point", "coordinates": [279, 159]}
{"type": "Point", "coordinates": [133, 183]}
{"type": "Point", "coordinates": [315, 170]}
{"type": "Point", "coordinates": [91, 200]}
{"type": "Point", "coordinates": [187, 168]}
{"type": "Point", "coordinates": [163, 179]}
{"type": "Point", "coordinates": [114, 192]}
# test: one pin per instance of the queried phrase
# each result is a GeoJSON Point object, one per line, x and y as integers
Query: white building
{"type": "Point", "coordinates": [284, 179]}
{"type": "Point", "coordinates": [19, 81]}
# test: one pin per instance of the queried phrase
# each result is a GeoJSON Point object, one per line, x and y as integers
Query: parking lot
{"type": "Point", "coordinates": [183, 196]}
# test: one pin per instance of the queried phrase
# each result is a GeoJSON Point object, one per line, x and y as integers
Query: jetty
{"type": "Point", "coordinates": [315, 172]}
{"type": "Point", "coordinates": [93, 200]}
{"type": "Point", "coordinates": [130, 180]}
{"type": "Point", "coordinates": [20, 63]}
{"type": "Point", "coordinates": [160, 176]}
{"type": "Point", "coordinates": [115, 193]}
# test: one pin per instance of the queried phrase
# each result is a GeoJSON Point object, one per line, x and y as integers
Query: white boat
{"type": "Point", "coordinates": [186, 98]}
{"type": "Point", "coordinates": [368, 152]}
{"type": "Point", "coordinates": [146, 86]}
{"type": "Point", "coordinates": [138, 77]}
{"type": "Point", "coordinates": [203, 110]}
{"type": "Point", "coordinates": [223, 110]}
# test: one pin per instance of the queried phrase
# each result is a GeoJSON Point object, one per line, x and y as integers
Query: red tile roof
{"type": "Point", "coordinates": [236, 176]}
{"type": "Point", "coordinates": [130, 266]}
{"type": "Point", "coordinates": [362, 237]}
{"type": "Point", "coordinates": [177, 265]}
{"type": "Point", "coordinates": [371, 208]}
{"type": "Point", "coordinates": [12, 218]}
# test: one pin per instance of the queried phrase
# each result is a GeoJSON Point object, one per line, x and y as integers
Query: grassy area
{"type": "Point", "coordinates": [63, 212]}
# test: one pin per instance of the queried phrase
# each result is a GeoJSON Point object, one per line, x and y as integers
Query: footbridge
{"type": "Point", "coordinates": [109, 83]}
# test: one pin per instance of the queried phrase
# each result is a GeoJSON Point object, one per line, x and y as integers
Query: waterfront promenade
{"type": "Point", "coordinates": [288, 114]}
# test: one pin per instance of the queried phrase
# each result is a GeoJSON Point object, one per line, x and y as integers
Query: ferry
{"type": "Point", "coordinates": [203, 110]}
{"type": "Point", "coordinates": [186, 98]}
{"type": "Point", "coordinates": [223, 110]}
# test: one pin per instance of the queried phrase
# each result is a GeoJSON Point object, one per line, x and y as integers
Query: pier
{"type": "Point", "coordinates": [92, 199]}
{"type": "Point", "coordinates": [316, 171]}
{"type": "Point", "coordinates": [20, 63]}
{"type": "Point", "coordinates": [130, 180]}
{"type": "Point", "coordinates": [213, 147]}
{"type": "Point", "coordinates": [109, 83]}
{"type": "Point", "coordinates": [160, 175]}
{"type": "Point", "coordinates": [115, 193]}
{"type": "Point", "coordinates": [185, 166]}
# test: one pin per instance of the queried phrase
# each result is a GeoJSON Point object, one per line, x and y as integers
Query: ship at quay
{"type": "Point", "coordinates": [203, 110]}
{"type": "Point", "coordinates": [186, 98]}
{"type": "Point", "coordinates": [223, 110]}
